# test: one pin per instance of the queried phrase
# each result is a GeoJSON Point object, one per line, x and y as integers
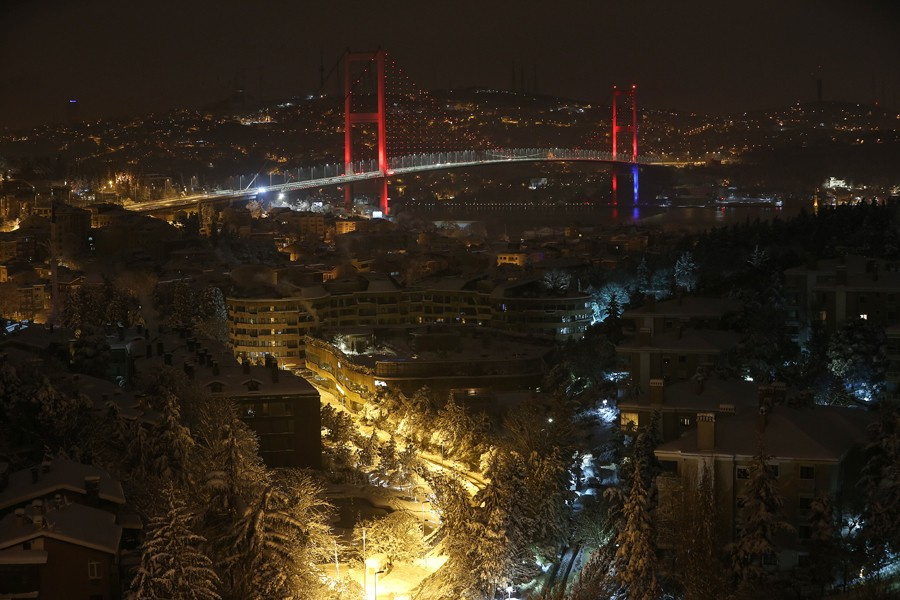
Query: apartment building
{"type": "Point", "coordinates": [832, 291]}
{"type": "Point", "coordinates": [357, 362]}
{"type": "Point", "coordinates": [813, 451]}
{"type": "Point", "coordinates": [671, 340]}
{"type": "Point", "coordinates": [260, 324]}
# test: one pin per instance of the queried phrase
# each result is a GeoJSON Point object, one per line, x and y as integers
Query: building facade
{"type": "Point", "coordinates": [265, 325]}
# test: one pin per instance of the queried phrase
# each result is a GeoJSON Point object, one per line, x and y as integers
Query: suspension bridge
{"type": "Point", "coordinates": [414, 133]}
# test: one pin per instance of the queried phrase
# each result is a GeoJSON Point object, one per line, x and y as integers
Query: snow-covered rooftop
{"type": "Point", "coordinates": [56, 475]}
{"type": "Point", "coordinates": [69, 522]}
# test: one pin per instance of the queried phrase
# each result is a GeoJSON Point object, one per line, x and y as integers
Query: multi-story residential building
{"type": "Point", "coordinates": [61, 532]}
{"type": "Point", "coordinates": [524, 307]}
{"type": "Point", "coordinates": [813, 451]}
{"type": "Point", "coordinates": [357, 362]}
{"type": "Point", "coordinates": [671, 340]}
{"type": "Point", "coordinates": [69, 230]}
{"type": "Point", "coordinates": [679, 402]}
{"type": "Point", "coordinates": [260, 325]}
{"type": "Point", "coordinates": [342, 226]}
{"type": "Point", "coordinates": [282, 408]}
{"type": "Point", "coordinates": [833, 291]}
{"type": "Point", "coordinates": [58, 551]}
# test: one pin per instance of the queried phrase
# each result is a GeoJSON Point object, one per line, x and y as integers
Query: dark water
{"type": "Point", "coordinates": [514, 219]}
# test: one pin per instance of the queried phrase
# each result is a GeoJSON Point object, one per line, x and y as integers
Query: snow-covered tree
{"type": "Point", "coordinates": [766, 344]}
{"type": "Point", "coordinates": [546, 501]}
{"type": "Point", "coordinates": [368, 452]}
{"type": "Point", "coordinates": [184, 309]}
{"type": "Point", "coordinates": [407, 464]}
{"type": "Point", "coordinates": [503, 522]}
{"type": "Point", "coordinates": [643, 276]}
{"type": "Point", "coordinates": [856, 356]}
{"type": "Point", "coordinates": [171, 444]}
{"type": "Point", "coordinates": [881, 482]}
{"type": "Point", "coordinates": [397, 535]}
{"type": "Point", "coordinates": [699, 559]}
{"type": "Point", "coordinates": [414, 415]}
{"type": "Point", "coordinates": [212, 314]}
{"type": "Point", "coordinates": [598, 577]}
{"type": "Point", "coordinates": [227, 457]}
{"type": "Point", "coordinates": [91, 351]}
{"type": "Point", "coordinates": [762, 524]}
{"type": "Point", "coordinates": [35, 415]}
{"type": "Point", "coordinates": [453, 504]}
{"type": "Point", "coordinates": [824, 545]}
{"type": "Point", "coordinates": [173, 564]}
{"type": "Point", "coordinates": [556, 281]}
{"type": "Point", "coordinates": [281, 540]}
{"type": "Point", "coordinates": [460, 434]}
{"type": "Point", "coordinates": [115, 304]}
{"type": "Point", "coordinates": [608, 301]}
{"type": "Point", "coordinates": [388, 462]}
{"type": "Point", "coordinates": [686, 272]}
{"type": "Point", "coordinates": [83, 306]}
{"type": "Point", "coordinates": [758, 257]}
{"type": "Point", "coordinates": [636, 564]}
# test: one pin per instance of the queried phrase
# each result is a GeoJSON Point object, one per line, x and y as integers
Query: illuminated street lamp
{"type": "Point", "coordinates": [374, 563]}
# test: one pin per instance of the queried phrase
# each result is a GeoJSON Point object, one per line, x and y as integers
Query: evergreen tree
{"type": "Point", "coordinates": [184, 305]}
{"type": "Point", "coordinates": [368, 452]}
{"type": "Point", "coordinates": [82, 307]}
{"type": "Point", "coordinates": [698, 550]}
{"type": "Point", "coordinates": [502, 520]}
{"type": "Point", "coordinates": [546, 502]}
{"type": "Point", "coordinates": [881, 482]}
{"type": "Point", "coordinates": [281, 539]}
{"type": "Point", "coordinates": [824, 550]}
{"type": "Point", "coordinates": [856, 356]}
{"type": "Point", "coordinates": [597, 578]}
{"type": "Point", "coordinates": [643, 276]}
{"type": "Point", "coordinates": [91, 352]}
{"type": "Point", "coordinates": [686, 272]}
{"type": "Point", "coordinates": [636, 564]}
{"type": "Point", "coordinates": [172, 444]}
{"type": "Point", "coordinates": [388, 463]}
{"type": "Point", "coordinates": [172, 562]}
{"type": "Point", "coordinates": [212, 314]}
{"type": "Point", "coordinates": [228, 459]}
{"type": "Point", "coordinates": [762, 524]}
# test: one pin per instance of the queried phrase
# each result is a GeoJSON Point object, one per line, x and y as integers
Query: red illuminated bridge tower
{"type": "Point", "coordinates": [376, 116]}
{"type": "Point", "coordinates": [630, 98]}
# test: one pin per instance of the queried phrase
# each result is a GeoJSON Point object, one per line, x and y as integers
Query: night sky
{"type": "Point", "coordinates": [119, 57]}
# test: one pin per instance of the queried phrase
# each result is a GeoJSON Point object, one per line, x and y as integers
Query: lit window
{"type": "Point", "coordinates": [629, 418]}
{"type": "Point", "coordinates": [864, 317]}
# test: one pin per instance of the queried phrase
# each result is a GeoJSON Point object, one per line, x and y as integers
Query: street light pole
{"type": "Point", "coordinates": [337, 569]}
{"type": "Point", "coordinates": [375, 588]}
